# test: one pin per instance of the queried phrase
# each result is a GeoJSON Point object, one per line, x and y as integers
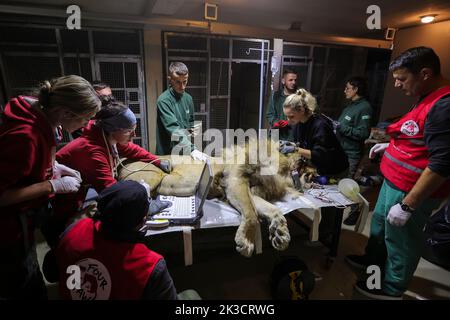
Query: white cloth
{"type": "Point", "coordinates": [217, 213]}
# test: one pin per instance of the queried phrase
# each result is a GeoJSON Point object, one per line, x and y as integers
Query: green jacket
{"type": "Point", "coordinates": [275, 113]}
{"type": "Point", "coordinates": [355, 127]}
{"type": "Point", "coordinates": [175, 112]}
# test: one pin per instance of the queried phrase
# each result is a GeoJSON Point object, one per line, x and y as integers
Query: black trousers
{"type": "Point", "coordinates": [20, 277]}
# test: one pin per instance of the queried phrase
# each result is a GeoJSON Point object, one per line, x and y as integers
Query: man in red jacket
{"type": "Point", "coordinates": [416, 167]}
{"type": "Point", "coordinates": [114, 264]}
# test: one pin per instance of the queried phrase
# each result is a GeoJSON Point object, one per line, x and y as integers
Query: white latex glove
{"type": "Point", "coordinates": [378, 148]}
{"type": "Point", "coordinates": [65, 184]}
{"type": "Point", "coordinates": [60, 170]}
{"type": "Point", "coordinates": [197, 155]}
{"type": "Point", "coordinates": [397, 216]}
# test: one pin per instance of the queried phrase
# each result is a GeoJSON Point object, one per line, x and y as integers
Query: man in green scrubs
{"type": "Point", "coordinates": [275, 115]}
{"type": "Point", "coordinates": [175, 115]}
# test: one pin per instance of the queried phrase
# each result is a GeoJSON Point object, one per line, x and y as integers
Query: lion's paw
{"type": "Point", "coordinates": [279, 233]}
{"type": "Point", "coordinates": [245, 238]}
{"type": "Point", "coordinates": [244, 247]}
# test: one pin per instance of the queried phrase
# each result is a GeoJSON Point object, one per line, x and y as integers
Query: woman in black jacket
{"type": "Point", "coordinates": [314, 135]}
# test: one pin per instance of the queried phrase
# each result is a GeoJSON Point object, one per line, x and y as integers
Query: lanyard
{"type": "Point", "coordinates": [113, 156]}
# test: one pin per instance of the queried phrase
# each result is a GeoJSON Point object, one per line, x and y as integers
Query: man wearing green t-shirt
{"type": "Point", "coordinates": [175, 115]}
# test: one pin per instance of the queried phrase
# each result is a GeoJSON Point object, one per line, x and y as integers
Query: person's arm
{"type": "Point", "coordinates": [324, 144]}
{"type": "Point", "coordinates": [305, 153]}
{"type": "Point", "coordinates": [14, 165]}
{"type": "Point", "coordinates": [18, 195]}
{"type": "Point", "coordinates": [360, 131]}
{"type": "Point", "coordinates": [160, 284]}
{"type": "Point", "coordinates": [437, 139]}
{"type": "Point", "coordinates": [428, 183]}
{"type": "Point", "coordinates": [271, 114]}
{"type": "Point", "coordinates": [171, 125]}
{"type": "Point", "coordinates": [191, 112]}
{"type": "Point", "coordinates": [97, 171]}
{"type": "Point", "coordinates": [135, 152]}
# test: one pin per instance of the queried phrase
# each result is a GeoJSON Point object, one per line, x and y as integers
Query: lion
{"type": "Point", "coordinates": [248, 186]}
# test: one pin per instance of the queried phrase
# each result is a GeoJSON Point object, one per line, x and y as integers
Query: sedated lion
{"type": "Point", "coordinates": [244, 184]}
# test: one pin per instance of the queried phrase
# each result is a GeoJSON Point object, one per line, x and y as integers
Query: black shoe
{"type": "Point", "coordinates": [352, 218]}
{"type": "Point", "coordinates": [359, 262]}
{"type": "Point", "coordinates": [377, 294]}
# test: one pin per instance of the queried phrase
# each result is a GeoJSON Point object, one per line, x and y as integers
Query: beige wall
{"type": "Point", "coordinates": [153, 79]}
{"type": "Point", "coordinates": [436, 36]}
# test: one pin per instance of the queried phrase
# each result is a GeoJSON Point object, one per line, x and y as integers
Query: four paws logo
{"type": "Point", "coordinates": [410, 128]}
{"type": "Point", "coordinates": [89, 280]}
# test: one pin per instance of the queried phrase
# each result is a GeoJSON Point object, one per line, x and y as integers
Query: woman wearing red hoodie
{"type": "Point", "coordinates": [95, 154]}
{"type": "Point", "coordinates": [29, 176]}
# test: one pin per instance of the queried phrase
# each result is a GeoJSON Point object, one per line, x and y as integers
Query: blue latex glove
{"type": "Point", "coordinates": [287, 147]}
{"type": "Point", "coordinates": [156, 206]}
{"type": "Point", "coordinates": [165, 165]}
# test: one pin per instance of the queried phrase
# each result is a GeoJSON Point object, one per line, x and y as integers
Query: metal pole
{"type": "Point", "coordinates": [261, 88]}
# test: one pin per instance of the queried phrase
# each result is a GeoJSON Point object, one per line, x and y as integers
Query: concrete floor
{"type": "Point", "coordinates": [221, 273]}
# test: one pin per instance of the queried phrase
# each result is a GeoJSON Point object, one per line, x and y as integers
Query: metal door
{"type": "Point", "coordinates": [125, 77]}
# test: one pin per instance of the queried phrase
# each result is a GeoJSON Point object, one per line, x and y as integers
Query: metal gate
{"type": "Point", "coordinates": [125, 77]}
{"type": "Point", "coordinates": [209, 59]}
{"type": "Point", "coordinates": [31, 53]}
{"type": "Point", "coordinates": [321, 69]}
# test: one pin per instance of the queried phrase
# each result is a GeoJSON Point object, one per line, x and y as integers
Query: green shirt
{"type": "Point", "coordinates": [275, 113]}
{"type": "Point", "coordinates": [355, 127]}
{"type": "Point", "coordinates": [175, 112]}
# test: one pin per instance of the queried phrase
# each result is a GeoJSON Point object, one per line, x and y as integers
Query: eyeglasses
{"type": "Point", "coordinates": [128, 131]}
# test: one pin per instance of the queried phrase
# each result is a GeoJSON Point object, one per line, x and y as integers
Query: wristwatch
{"type": "Point", "coordinates": [406, 208]}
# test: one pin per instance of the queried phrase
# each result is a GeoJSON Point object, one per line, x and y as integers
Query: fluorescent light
{"type": "Point", "coordinates": [428, 18]}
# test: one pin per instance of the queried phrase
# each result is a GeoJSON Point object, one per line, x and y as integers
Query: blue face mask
{"type": "Point", "coordinates": [123, 120]}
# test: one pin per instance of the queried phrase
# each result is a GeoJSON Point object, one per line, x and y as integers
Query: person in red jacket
{"type": "Point", "coordinates": [29, 176]}
{"type": "Point", "coordinates": [102, 89]}
{"type": "Point", "coordinates": [416, 167]}
{"type": "Point", "coordinates": [114, 264]}
{"type": "Point", "coordinates": [96, 156]}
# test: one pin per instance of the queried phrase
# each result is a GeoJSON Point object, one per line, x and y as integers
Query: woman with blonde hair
{"type": "Point", "coordinates": [314, 136]}
{"type": "Point", "coordinates": [29, 175]}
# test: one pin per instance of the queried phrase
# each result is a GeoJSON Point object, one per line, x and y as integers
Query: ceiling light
{"type": "Point", "coordinates": [428, 18]}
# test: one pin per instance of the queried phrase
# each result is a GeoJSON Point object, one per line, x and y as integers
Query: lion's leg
{"type": "Point", "coordinates": [238, 194]}
{"type": "Point", "coordinates": [293, 193]}
{"type": "Point", "coordinates": [278, 229]}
